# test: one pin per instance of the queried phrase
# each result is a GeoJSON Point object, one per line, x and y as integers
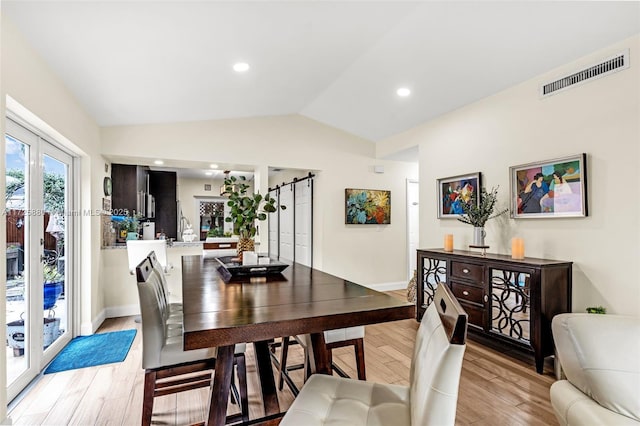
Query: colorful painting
{"type": "Point", "coordinates": [552, 188]}
{"type": "Point", "coordinates": [455, 191]}
{"type": "Point", "coordinates": [367, 207]}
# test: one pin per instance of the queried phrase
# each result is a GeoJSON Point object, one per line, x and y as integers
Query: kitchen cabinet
{"type": "Point", "coordinates": [510, 302]}
{"type": "Point", "coordinates": [163, 187]}
{"type": "Point", "coordinates": [128, 188]}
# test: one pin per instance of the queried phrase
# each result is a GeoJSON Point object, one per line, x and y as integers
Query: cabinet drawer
{"type": "Point", "coordinates": [467, 292]}
{"type": "Point", "coordinates": [467, 271]}
{"type": "Point", "coordinates": [217, 246]}
{"type": "Point", "coordinates": [475, 314]}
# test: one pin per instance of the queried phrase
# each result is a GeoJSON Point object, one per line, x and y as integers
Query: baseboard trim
{"type": "Point", "coordinates": [399, 285]}
{"type": "Point", "coordinates": [122, 311]}
{"type": "Point", "coordinates": [87, 329]}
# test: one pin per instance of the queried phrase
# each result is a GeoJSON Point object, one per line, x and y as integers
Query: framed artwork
{"type": "Point", "coordinates": [367, 207]}
{"type": "Point", "coordinates": [455, 190]}
{"type": "Point", "coordinates": [106, 206]}
{"type": "Point", "coordinates": [552, 188]}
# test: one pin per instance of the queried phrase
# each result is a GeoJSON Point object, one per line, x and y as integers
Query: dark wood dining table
{"type": "Point", "coordinates": [256, 310]}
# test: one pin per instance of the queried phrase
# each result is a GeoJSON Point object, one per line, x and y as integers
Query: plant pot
{"type": "Point", "coordinates": [478, 236]}
{"type": "Point", "coordinates": [15, 334]}
{"type": "Point", "coordinates": [52, 292]}
{"type": "Point", "coordinates": [245, 244]}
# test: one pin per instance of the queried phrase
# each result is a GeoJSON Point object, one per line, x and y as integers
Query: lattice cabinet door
{"type": "Point", "coordinates": [432, 270]}
{"type": "Point", "coordinates": [510, 303]}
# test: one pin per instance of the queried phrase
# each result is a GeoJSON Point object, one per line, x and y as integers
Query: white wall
{"type": "Point", "coordinates": [39, 96]}
{"type": "Point", "coordinates": [365, 254]}
{"type": "Point", "coordinates": [515, 127]}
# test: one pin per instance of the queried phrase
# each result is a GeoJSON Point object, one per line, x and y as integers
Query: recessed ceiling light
{"type": "Point", "coordinates": [241, 67]}
{"type": "Point", "coordinates": [213, 166]}
{"type": "Point", "coordinates": [403, 91]}
{"type": "Point", "coordinates": [158, 162]}
{"type": "Point", "coordinates": [208, 173]}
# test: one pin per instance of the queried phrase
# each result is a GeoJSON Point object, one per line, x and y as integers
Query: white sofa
{"type": "Point", "coordinates": [600, 357]}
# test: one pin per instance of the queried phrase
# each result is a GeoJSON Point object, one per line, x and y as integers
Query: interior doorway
{"type": "Point", "coordinates": [413, 224]}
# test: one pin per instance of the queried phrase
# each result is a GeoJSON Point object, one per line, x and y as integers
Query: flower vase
{"type": "Point", "coordinates": [478, 236]}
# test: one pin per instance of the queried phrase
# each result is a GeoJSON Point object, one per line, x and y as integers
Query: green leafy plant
{"type": "Point", "coordinates": [131, 223]}
{"type": "Point", "coordinates": [596, 310]}
{"type": "Point", "coordinates": [51, 274]}
{"type": "Point", "coordinates": [477, 214]}
{"type": "Point", "coordinates": [215, 232]}
{"type": "Point", "coordinates": [245, 208]}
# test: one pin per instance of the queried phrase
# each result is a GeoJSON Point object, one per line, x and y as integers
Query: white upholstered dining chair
{"type": "Point", "coordinates": [430, 399]}
{"type": "Point", "coordinates": [169, 368]}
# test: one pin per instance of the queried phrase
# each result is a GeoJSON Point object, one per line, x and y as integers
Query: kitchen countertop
{"type": "Point", "coordinates": [176, 244]}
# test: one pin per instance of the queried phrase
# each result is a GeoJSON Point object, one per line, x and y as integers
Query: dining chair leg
{"type": "Point", "coordinates": [241, 367]}
{"type": "Point", "coordinates": [147, 398]}
{"type": "Point", "coordinates": [233, 394]}
{"type": "Point", "coordinates": [284, 351]}
{"type": "Point", "coordinates": [359, 349]}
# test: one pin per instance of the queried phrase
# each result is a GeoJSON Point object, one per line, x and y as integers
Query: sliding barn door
{"type": "Point", "coordinates": [303, 221]}
{"type": "Point", "coordinates": [286, 223]}
{"type": "Point", "coordinates": [274, 228]}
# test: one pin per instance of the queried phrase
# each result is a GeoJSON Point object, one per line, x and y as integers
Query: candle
{"type": "Point", "coordinates": [517, 248]}
{"type": "Point", "coordinates": [448, 242]}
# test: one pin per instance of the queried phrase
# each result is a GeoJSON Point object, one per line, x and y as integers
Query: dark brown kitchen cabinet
{"type": "Point", "coordinates": [163, 187]}
{"type": "Point", "coordinates": [128, 182]}
{"type": "Point", "coordinates": [509, 302]}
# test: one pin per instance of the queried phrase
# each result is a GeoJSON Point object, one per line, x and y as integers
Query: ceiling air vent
{"type": "Point", "coordinates": [610, 65]}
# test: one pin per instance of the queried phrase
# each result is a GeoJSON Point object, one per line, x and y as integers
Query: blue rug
{"type": "Point", "coordinates": [89, 351]}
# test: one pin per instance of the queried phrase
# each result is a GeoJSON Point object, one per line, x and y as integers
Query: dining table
{"type": "Point", "coordinates": [221, 311]}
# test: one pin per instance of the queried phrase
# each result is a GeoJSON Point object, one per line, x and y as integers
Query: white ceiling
{"type": "Point", "coordinates": [336, 62]}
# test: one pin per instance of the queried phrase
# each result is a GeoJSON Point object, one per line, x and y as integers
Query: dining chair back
{"type": "Point", "coordinates": [169, 368]}
{"type": "Point", "coordinates": [437, 361]}
{"type": "Point", "coordinates": [430, 399]}
{"type": "Point", "coordinates": [138, 250]}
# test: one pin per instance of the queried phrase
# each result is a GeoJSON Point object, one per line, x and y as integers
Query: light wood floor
{"type": "Point", "coordinates": [494, 389]}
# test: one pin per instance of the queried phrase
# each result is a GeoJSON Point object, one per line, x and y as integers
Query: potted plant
{"type": "Point", "coordinates": [131, 224]}
{"type": "Point", "coordinates": [245, 209]}
{"type": "Point", "coordinates": [596, 310]}
{"type": "Point", "coordinates": [53, 283]}
{"type": "Point", "coordinates": [477, 214]}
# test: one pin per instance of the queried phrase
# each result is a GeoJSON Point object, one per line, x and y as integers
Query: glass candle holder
{"type": "Point", "coordinates": [448, 242]}
{"type": "Point", "coordinates": [517, 248]}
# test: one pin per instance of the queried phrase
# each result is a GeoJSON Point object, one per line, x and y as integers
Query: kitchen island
{"type": "Point", "coordinates": [119, 285]}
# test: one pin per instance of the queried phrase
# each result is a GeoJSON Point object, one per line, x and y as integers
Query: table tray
{"type": "Point", "coordinates": [230, 267]}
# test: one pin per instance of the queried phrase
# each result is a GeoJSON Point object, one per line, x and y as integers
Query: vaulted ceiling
{"type": "Point", "coordinates": [341, 62]}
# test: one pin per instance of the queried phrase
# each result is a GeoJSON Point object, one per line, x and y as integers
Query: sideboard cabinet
{"type": "Point", "coordinates": [510, 302]}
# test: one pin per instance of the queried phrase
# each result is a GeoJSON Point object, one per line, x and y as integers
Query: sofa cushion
{"type": "Point", "coordinates": [573, 407]}
{"type": "Point", "coordinates": [600, 356]}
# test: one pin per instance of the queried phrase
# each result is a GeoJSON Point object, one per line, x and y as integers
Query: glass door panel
{"type": "Point", "coordinates": [18, 244]}
{"type": "Point", "coordinates": [38, 238]}
{"type": "Point", "coordinates": [55, 195]}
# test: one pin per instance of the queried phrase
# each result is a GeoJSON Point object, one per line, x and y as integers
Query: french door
{"type": "Point", "coordinates": [39, 246]}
